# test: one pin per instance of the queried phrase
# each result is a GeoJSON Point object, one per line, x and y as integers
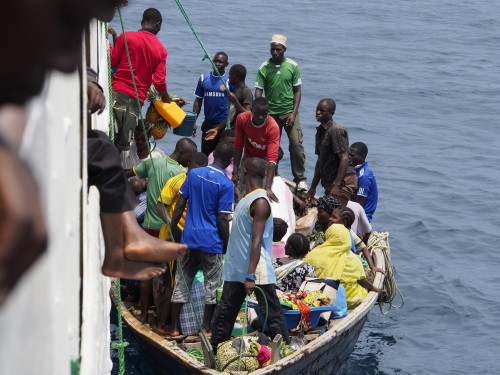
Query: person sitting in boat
{"type": "Point", "coordinates": [326, 206]}
{"type": "Point", "coordinates": [291, 271]}
{"type": "Point", "coordinates": [361, 226]}
{"type": "Point", "coordinates": [358, 246]}
{"type": "Point", "coordinates": [280, 228]}
{"type": "Point", "coordinates": [140, 188]}
{"type": "Point", "coordinates": [226, 136]}
{"type": "Point", "coordinates": [335, 259]}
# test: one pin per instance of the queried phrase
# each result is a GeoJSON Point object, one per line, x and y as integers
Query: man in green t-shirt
{"type": "Point", "coordinates": [279, 78]}
{"type": "Point", "coordinates": [158, 171]}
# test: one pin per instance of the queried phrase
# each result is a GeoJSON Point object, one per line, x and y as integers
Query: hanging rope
{"type": "Point", "coordinates": [205, 56]}
{"type": "Point", "coordinates": [120, 345]}
{"type": "Point", "coordinates": [110, 90]}
{"type": "Point", "coordinates": [389, 289]}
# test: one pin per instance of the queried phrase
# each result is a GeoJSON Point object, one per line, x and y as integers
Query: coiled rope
{"type": "Point", "coordinates": [389, 288]}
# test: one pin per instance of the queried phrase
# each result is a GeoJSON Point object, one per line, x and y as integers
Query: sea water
{"type": "Point", "coordinates": [419, 83]}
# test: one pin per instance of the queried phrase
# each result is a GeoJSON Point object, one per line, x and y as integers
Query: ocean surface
{"type": "Point", "coordinates": [419, 83]}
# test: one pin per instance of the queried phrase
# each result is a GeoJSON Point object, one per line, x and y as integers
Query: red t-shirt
{"type": "Point", "coordinates": [149, 60]}
{"type": "Point", "coordinates": [261, 142]}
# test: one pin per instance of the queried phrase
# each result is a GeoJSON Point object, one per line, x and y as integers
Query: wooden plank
{"type": "Point", "coordinates": [275, 348]}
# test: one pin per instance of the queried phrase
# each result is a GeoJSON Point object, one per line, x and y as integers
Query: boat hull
{"type": "Point", "coordinates": [326, 354]}
{"type": "Point", "coordinates": [329, 359]}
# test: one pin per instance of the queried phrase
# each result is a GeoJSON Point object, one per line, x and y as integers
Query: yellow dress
{"type": "Point", "coordinates": [335, 259]}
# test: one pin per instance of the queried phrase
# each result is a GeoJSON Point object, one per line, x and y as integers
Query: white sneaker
{"type": "Point", "coordinates": [302, 186]}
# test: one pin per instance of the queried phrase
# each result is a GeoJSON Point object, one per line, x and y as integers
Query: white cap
{"type": "Point", "coordinates": [277, 38]}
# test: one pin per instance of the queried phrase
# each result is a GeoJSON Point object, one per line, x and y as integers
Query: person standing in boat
{"type": "Point", "coordinates": [212, 94]}
{"type": "Point", "coordinates": [248, 261]}
{"type": "Point", "coordinates": [158, 171]}
{"type": "Point", "coordinates": [149, 61]}
{"type": "Point", "coordinates": [279, 79]}
{"type": "Point", "coordinates": [257, 135]}
{"type": "Point", "coordinates": [209, 196]}
{"type": "Point", "coordinates": [167, 201]}
{"type": "Point", "coordinates": [242, 98]}
{"type": "Point", "coordinates": [334, 166]}
{"type": "Point", "coordinates": [367, 192]}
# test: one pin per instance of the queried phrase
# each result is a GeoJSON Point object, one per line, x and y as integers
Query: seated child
{"type": "Point", "coordinates": [291, 271]}
{"type": "Point", "coordinates": [347, 218]}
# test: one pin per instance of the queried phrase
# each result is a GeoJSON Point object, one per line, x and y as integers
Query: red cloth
{"type": "Point", "coordinates": [257, 142]}
{"type": "Point", "coordinates": [149, 60]}
{"type": "Point", "coordinates": [152, 232]}
{"type": "Point", "coordinates": [264, 355]}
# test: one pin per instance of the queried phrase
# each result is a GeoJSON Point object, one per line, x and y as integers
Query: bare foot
{"type": "Point", "coordinates": [172, 332]}
{"type": "Point", "coordinates": [140, 246]}
{"type": "Point", "coordinates": [127, 269]}
{"type": "Point", "coordinates": [208, 333]}
{"type": "Point", "coordinates": [162, 331]}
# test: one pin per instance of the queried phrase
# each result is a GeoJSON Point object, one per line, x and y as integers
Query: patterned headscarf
{"type": "Point", "coordinates": [329, 203]}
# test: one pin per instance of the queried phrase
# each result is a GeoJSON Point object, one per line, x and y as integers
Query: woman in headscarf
{"type": "Point", "coordinates": [334, 259]}
{"type": "Point", "coordinates": [326, 206]}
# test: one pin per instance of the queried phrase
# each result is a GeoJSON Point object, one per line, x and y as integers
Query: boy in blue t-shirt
{"type": "Point", "coordinates": [367, 192]}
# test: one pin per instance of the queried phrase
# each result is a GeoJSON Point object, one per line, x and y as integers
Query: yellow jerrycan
{"type": "Point", "coordinates": [171, 112]}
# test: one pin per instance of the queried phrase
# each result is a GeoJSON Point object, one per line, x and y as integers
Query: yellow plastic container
{"type": "Point", "coordinates": [171, 112]}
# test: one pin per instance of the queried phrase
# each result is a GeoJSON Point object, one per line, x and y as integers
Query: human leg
{"type": "Point", "coordinates": [140, 246]}
{"type": "Point", "coordinates": [347, 187]}
{"type": "Point", "coordinates": [115, 264]}
{"type": "Point", "coordinates": [212, 271]}
{"type": "Point", "coordinates": [233, 295]}
{"type": "Point", "coordinates": [144, 298]}
{"type": "Point", "coordinates": [164, 304]}
{"type": "Point", "coordinates": [297, 155]}
{"type": "Point", "coordinates": [187, 268]}
{"type": "Point", "coordinates": [126, 115]}
{"type": "Point", "coordinates": [275, 317]}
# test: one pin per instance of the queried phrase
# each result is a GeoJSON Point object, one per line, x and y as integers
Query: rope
{"type": "Point", "coordinates": [389, 289]}
{"type": "Point", "coordinates": [179, 265]}
{"type": "Point", "coordinates": [120, 345]}
{"type": "Point", "coordinates": [206, 55]}
{"type": "Point", "coordinates": [110, 91]}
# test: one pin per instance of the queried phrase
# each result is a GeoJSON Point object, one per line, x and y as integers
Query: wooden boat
{"type": "Point", "coordinates": [325, 354]}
